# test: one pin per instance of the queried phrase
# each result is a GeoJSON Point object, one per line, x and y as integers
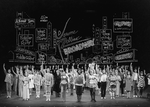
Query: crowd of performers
{"type": "Point", "coordinates": [118, 80]}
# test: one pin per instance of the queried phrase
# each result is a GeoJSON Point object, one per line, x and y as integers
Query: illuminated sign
{"type": "Point", "coordinates": [41, 57]}
{"type": "Point", "coordinates": [19, 57]}
{"type": "Point", "coordinates": [107, 45]}
{"type": "Point", "coordinates": [43, 46]}
{"type": "Point", "coordinates": [105, 34]}
{"type": "Point", "coordinates": [43, 18]}
{"type": "Point", "coordinates": [106, 59]}
{"type": "Point", "coordinates": [26, 40]}
{"type": "Point", "coordinates": [78, 47]}
{"type": "Point", "coordinates": [122, 25]}
{"type": "Point", "coordinates": [124, 41]}
{"type": "Point", "coordinates": [24, 23]}
{"type": "Point", "coordinates": [25, 51]}
{"type": "Point", "coordinates": [41, 34]}
{"type": "Point", "coordinates": [127, 56]}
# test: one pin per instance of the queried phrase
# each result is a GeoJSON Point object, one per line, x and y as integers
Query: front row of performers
{"type": "Point", "coordinates": [113, 79]}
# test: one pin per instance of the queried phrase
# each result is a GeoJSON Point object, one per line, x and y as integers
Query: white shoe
{"type": "Point", "coordinates": [7, 96]}
{"type": "Point", "coordinates": [49, 99]}
{"type": "Point", "coordinates": [101, 97]}
{"type": "Point", "coordinates": [104, 97]}
{"type": "Point", "coordinates": [46, 99]}
{"type": "Point", "coordinates": [111, 97]}
{"type": "Point", "coordinates": [133, 96]}
{"type": "Point", "coordinates": [136, 96]}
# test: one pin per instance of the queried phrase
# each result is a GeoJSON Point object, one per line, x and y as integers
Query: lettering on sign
{"type": "Point", "coordinates": [41, 34]}
{"type": "Point", "coordinates": [25, 51]}
{"type": "Point", "coordinates": [41, 57]}
{"type": "Point", "coordinates": [106, 35]}
{"type": "Point", "coordinates": [24, 23]}
{"type": "Point", "coordinates": [107, 45]}
{"type": "Point", "coordinates": [79, 47]}
{"type": "Point", "coordinates": [43, 18]}
{"type": "Point", "coordinates": [25, 40]}
{"type": "Point", "coordinates": [124, 41]}
{"type": "Point", "coordinates": [43, 46]}
{"type": "Point", "coordinates": [19, 57]}
{"type": "Point", "coordinates": [122, 25]}
{"type": "Point", "coordinates": [127, 56]}
{"type": "Point", "coordinates": [107, 59]}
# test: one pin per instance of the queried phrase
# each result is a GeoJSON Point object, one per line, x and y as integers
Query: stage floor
{"type": "Point", "coordinates": [15, 101]}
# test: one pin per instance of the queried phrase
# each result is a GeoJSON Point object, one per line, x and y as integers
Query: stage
{"type": "Point", "coordinates": [71, 101]}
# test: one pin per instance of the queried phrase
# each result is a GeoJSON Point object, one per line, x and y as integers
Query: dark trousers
{"type": "Point", "coordinates": [92, 93]}
{"type": "Point", "coordinates": [135, 87]}
{"type": "Point", "coordinates": [103, 89]}
{"type": "Point", "coordinates": [122, 85]}
{"type": "Point", "coordinates": [141, 91]}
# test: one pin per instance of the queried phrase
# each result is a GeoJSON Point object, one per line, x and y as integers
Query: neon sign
{"type": "Point", "coordinates": [122, 25]}
{"type": "Point", "coordinates": [78, 47]}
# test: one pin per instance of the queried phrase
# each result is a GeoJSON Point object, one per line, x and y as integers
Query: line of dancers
{"type": "Point", "coordinates": [116, 80]}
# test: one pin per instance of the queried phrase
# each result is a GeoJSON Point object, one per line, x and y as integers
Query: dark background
{"type": "Point", "coordinates": [83, 14]}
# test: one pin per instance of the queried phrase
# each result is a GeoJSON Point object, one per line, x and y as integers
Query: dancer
{"type": "Point", "coordinates": [103, 81]}
{"type": "Point", "coordinates": [112, 86]}
{"type": "Point", "coordinates": [37, 81]}
{"type": "Point", "coordinates": [49, 82]}
{"type": "Point", "coordinates": [92, 81]}
{"type": "Point", "coordinates": [141, 83]}
{"type": "Point", "coordinates": [71, 78]}
{"type": "Point", "coordinates": [128, 84]}
{"type": "Point", "coordinates": [122, 82]}
{"type": "Point", "coordinates": [63, 84]}
{"type": "Point", "coordinates": [31, 82]}
{"type": "Point", "coordinates": [8, 80]}
{"type": "Point", "coordinates": [21, 82]}
{"type": "Point", "coordinates": [135, 80]}
{"type": "Point", "coordinates": [26, 95]}
{"type": "Point", "coordinates": [57, 79]}
{"type": "Point", "coordinates": [118, 79]}
{"type": "Point", "coordinates": [16, 80]}
{"type": "Point", "coordinates": [79, 83]}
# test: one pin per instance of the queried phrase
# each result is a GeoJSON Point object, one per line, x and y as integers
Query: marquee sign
{"type": "Point", "coordinates": [106, 35]}
{"type": "Point", "coordinates": [20, 57]}
{"type": "Point", "coordinates": [25, 40]}
{"type": "Point", "coordinates": [124, 41]}
{"type": "Point", "coordinates": [78, 47]}
{"type": "Point", "coordinates": [43, 46]}
{"type": "Point", "coordinates": [107, 59]}
{"type": "Point", "coordinates": [122, 25]}
{"type": "Point", "coordinates": [41, 34]}
{"type": "Point", "coordinates": [41, 57]}
{"type": "Point", "coordinates": [107, 45]}
{"type": "Point", "coordinates": [126, 56]}
{"type": "Point", "coordinates": [24, 23]}
{"type": "Point", "coordinates": [24, 51]}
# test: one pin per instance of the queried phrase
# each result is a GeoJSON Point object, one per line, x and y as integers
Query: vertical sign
{"type": "Point", "coordinates": [50, 36]}
{"type": "Point", "coordinates": [97, 47]}
{"type": "Point", "coordinates": [54, 37]}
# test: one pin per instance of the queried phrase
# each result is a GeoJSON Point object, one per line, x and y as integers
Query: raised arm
{"type": "Point", "coordinates": [4, 68]}
{"type": "Point", "coordinates": [131, 68]}
{"type": "Point", "coordinates": [13, 71]}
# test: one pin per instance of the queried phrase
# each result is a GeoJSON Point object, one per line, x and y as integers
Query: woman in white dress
{"type": "Point", "coordinates": [118, 79]}
{"type": "Point", "coordinates": [31, 82]}
{"type": "Point", "coordinates": [26, 87]}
